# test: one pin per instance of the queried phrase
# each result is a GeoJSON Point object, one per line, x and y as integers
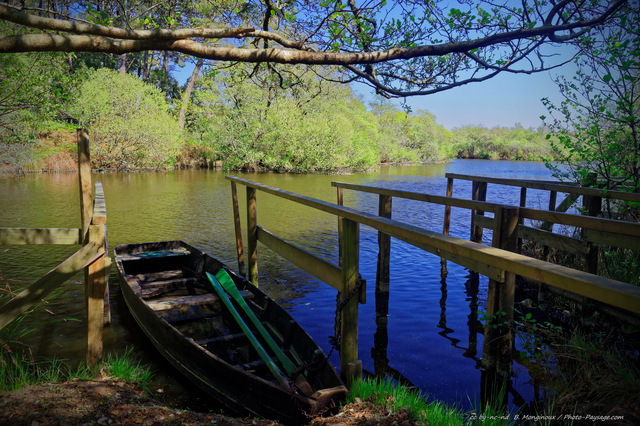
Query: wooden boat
{"type": "Point", "coordinates": [169, 290]}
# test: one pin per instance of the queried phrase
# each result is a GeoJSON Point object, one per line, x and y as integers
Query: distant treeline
{"type": "Point", "coordinates": [243, 117]}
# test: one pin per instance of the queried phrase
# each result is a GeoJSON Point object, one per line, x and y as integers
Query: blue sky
{"type": "Point", "coordinates": [505, 100]}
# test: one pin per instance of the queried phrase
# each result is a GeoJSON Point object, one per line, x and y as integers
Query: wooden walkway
{"type": "Point", "coordinates": [501, 261]}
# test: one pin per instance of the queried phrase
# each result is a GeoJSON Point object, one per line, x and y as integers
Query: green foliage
{"type": "Point", "coordinates": [501, 143]}
{"type": "Point", "coordinates": [33, 91]}
{"type": "Point", "coordinates": [406, 137]}
{"type": "Point", "coordinates": [620, 264]}
{"type": "Point", "coordinates": [130, 126]}
{"type": "Point", "coordinates": [595, 128]}
{"type": "Point", "coordinates": [262, 126]}
{"type": "Point", "coordinates": [300, 123]}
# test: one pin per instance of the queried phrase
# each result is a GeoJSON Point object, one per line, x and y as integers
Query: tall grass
{"type": "Point", "coordinates": [19, 367]}
{"type": "Point", "coordinates": [589, 371]}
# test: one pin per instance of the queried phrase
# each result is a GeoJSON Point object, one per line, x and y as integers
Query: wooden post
{"type": "Point", "coordinates": [384, 249]}
{"type": "Point", "coordinates": [380, 337]}
{"type": "Point", "coordinates": [95, 290]}
{"type": "Point", "coordinates": [84, 177]}
{"type": "Point", "coordinates": [349, 312]}
{"type": "Point", "coordinates": [553, 198]}
{"type": "Point", "coordinates": [340, 202]}
{"type": "Point", "coordinates": [548, 226]}
{"type": "Point", "coordinates": [447, 209]}
{"type": "Point", "coordinates": [523, 203]}
{"type": "Point", "coordinates": [446, 223]}
{"type": "Point", "coordinates": [498, 338]}
{"type": "Point", "coordinates": [353, 373]}
{"type": "Point", "coordinates": [238, 227]}
{"type": "Point", "coordinates": [478, 193]}
{"type": "Point", "coordinates": [252, 235]}
{"type": "Point", "coordinates": [592, 206]}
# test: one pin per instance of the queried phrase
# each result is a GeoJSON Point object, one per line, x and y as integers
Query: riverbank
{"type": "Point", "coordinates": [110, 401]}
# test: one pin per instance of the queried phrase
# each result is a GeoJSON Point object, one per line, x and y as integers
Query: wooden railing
{"type": "Point", "coordinates": [501, 262]}
{"type": "Point", "coordinates": [551, 186]}
{"type": "Point", "coordinates": [92, 257]}
{"type": "Point", "coordinates": [591, 205]}
{"type": "Point", "coordinates": [497, 262]}
{"type": "Point", "coordinates": [596, 230]}
{"type": "Point", "coordinates": [343, 277]}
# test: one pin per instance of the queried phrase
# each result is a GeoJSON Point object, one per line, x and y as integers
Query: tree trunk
{"type": "Point", "coordinates": [187, 93]}
{"type": "Point", "coordinates": [123, 63]}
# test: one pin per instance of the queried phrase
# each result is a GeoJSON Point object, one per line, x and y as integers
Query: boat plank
{"type": "Point", "coordinates": [225, 338]}
{"type": "Point", "coordinates": [154, 254]}
{"type": "Point", "coordinates": [161, 288]}
{"type": "Point", "coordinates": [190, 300]}
{"type": "Point", "coordinates": [159, 276]}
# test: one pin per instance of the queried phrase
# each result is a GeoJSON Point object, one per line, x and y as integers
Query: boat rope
{"type": "Point", "coordinates": [340, 304]}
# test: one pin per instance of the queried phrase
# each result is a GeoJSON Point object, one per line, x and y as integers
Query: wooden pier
{"type": "Point", "coordinates": [92, 257]}
{"type": "Point", "coordinates": [501, 261]}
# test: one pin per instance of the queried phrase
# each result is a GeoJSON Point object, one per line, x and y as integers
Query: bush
{"type": "Point", "coordinates": [129, 122]}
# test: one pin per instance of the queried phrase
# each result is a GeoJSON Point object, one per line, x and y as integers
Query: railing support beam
{"type": "Point", "coordinates": [252, 235]}
{"type": "Point", "coordinates": [498, 338]}
{"type": "Point", "coordinates": [238, 227]}
{"type": "Point", "coordinates": [349, 313]}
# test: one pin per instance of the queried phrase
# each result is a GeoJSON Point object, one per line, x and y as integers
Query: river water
{"type": "Point", "coordinates": [432, 338]}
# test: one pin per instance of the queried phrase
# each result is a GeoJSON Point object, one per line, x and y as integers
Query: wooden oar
{"type": "Point", "coordinates": [301, 381]}
{"type": "Point", "coordinates": [252, 338]}
{"type": "Point", "coordinates": [227, 283]}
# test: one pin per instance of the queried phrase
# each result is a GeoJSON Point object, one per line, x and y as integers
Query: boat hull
{"type": "Point", "coordinates": [178, 333]}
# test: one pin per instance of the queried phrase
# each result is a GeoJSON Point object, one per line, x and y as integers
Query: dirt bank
{"type": "Point", "coordinates": [113, 402]}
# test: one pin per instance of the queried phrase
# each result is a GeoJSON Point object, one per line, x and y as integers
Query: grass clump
{"type": "Point", "coordinates": [394, 398]}
{"type": "Point", "coordinates": [125, 367]}
{"type": "Point", "coordinates": [21, 369]}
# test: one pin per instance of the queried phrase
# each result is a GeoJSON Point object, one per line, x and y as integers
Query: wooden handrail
{"type": "Point", "coordinates": [87, 255]}
{"type": "Point", "coordinates": [13, 236]}
{"type": "Point", "coordinates": [586, 222]}
{"type": "Point", "coordinates": [99, 213]}
{"type": "Point", "coordinates": [319, 268]}
{"type": "Point", "coordinates": [552, 186]}
{"type": "Point", "coordinates": [343, 278]}
{"type": "Point", "coordinates": [419, 196]}
{"type": "Point", "coordinates": [612, 292]}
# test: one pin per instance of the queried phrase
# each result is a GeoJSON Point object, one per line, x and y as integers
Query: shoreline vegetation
{"type": "Point", "coordinates": [237, 119]}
